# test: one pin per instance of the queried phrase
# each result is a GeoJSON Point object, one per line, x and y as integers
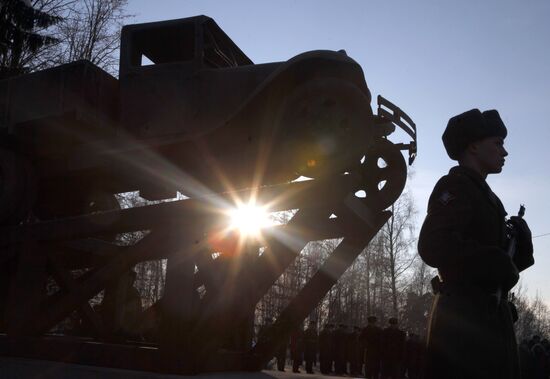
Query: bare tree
{"type": "Point", "coordinates": [398, 241]}
{"type": "Point", "coordinates": [533, 315]}
{"type": "Point", "coordinates": [91, 30]}
{"type": "Point", "coordinates": [22, 35]}
{"type": "Point", "coordinates": [526, 324]}
{"type": "Point", "coordinates": [421, 277]}
{"type": "Point", "coordinates": [86, 29]}
{"type": "Point", "coordinates": [415, 312]}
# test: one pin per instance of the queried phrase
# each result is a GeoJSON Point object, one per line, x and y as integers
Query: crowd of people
{"type": "Point", "coordinates": [372, 351]}
{"type": "Point", "coordinates": [382, 353]}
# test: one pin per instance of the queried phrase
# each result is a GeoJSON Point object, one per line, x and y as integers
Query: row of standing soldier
{"type": "Point", "coordinates": [371, 351]}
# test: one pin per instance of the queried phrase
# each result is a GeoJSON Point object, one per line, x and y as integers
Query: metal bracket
{"type": "Point", "coordinates": [389, 111]}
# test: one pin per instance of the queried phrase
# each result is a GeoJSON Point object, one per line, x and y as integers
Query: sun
{"type": "Point", "coordinates": [249, 219]}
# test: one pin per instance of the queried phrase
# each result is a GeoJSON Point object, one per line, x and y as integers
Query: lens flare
{"type": "Point", "coordinates": [250, 219]}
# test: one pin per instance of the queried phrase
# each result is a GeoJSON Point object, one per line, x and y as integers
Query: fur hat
{"type": "Point", "coordinates": [469, 127]}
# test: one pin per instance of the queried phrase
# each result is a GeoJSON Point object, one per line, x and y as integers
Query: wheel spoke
{"type": "Point", "coordinates": [383, 185]}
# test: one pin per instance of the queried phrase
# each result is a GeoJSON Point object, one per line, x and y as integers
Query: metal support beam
{"type": "Point", "coordinates": [191, 214]}
{"type": "Point", "coordinates": [178, 309]}
{"type": "Point", "coordinates": [211, 330]}
{"type": "Point", "coordinates": [59, 307]}
{"type": "Point", "coordinates": [282, 250]}
{"type": "Point", "coordinates": [68, 284]}
{"type": "Point", "coordinates": [316, 288]}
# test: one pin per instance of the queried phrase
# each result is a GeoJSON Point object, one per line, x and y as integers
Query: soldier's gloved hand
{"type": "Point", "coordinates": [524, 240]}
{"type": "Point", "coordinates": [509, 273]}
{"type": "Point", "coordinates": [523, 234]}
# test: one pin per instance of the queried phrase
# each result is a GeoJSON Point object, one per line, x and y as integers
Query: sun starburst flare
{"type": "Point", "coordinates": [249, 219]}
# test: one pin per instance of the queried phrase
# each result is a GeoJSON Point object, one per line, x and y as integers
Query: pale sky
{"type": "Point", "coordinates": [434, 59]}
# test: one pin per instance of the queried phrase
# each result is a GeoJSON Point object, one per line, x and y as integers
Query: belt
{"type": "Point", "coordinates": [468, 290]}
{"type": "Point", "coordinates": [462, 288]}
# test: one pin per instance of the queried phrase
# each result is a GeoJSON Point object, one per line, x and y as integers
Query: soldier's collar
{"type": "Point", "coordinates": [462, 170]}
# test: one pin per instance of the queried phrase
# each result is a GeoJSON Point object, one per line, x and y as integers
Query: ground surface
{"type": "Point", "coordinates": [16, 368]}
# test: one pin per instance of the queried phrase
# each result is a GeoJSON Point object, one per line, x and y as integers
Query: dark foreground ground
{"type": "Point", "coordinates": [16, 368]}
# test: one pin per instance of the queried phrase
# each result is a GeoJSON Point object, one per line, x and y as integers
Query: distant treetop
{"type": "Point", "coordinates": [18, 20]}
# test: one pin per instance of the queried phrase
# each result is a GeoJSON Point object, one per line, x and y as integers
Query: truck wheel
{"type": "Point", "coordinates": [323, 127]}
{"type": "Point", "coordinates": [384, 174]}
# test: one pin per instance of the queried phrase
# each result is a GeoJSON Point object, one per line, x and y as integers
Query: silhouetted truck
{"type": "Point", "coordinates": [189, 112]}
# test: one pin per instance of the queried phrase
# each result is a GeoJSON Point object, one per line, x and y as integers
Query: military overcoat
{"type": "Point", "coordinates": [465, 237]}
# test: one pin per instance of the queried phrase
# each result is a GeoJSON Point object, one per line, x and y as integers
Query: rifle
{"type": "Point", "coordinates": [513, 241]}
{"type": "Point", "coordinates": [512, 244]}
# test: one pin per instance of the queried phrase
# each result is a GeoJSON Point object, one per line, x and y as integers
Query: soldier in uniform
{"type": "Point", "coordinates": [281, 355]}
{"type": "Point", "coordinates": [371, 341]}
{"type": "Point", "coordinates": [340, 353]}
{"type": "Point", "coordinates": [262, 335]}
{"type": "Point", "coordinates": [393, 350]}
{"type": "Point", "coordinates": [311, 341]}
{"type": "Point", "coordinates": [354, 350]}
{"type": "Point", "coordinates": [325, 349]}
{"type": "Point", "coordinates": [297, 348]}
{"type": "Point", "coordinates": [262, 332]}
{"type": "Point", "coordinates": [465, 236]}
